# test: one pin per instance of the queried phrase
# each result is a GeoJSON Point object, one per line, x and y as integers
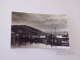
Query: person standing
{"type": "Point", "coordinates": [16, 38]}
{"type": "Point", "coordinates": [12, 38]}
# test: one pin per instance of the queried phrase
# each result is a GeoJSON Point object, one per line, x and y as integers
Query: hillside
{"type": "Point", "coordinates": [27, 30]}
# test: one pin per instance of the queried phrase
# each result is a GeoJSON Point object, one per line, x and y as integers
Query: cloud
{"type": "Point", "coordinates": [44, 22]}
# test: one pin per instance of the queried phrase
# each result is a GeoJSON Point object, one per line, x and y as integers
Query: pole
{"type": "Point", "coordinates": [55, 31]}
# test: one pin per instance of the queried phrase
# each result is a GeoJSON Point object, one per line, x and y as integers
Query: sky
{"type": "Point", "coordinates": [43, 22]}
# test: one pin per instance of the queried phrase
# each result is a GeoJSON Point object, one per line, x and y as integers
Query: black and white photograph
{"type": "Point", "coordinates": [33, 30]}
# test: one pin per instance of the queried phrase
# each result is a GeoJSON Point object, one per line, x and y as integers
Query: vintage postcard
{"type": "Point", "coordinates": [32, 30]}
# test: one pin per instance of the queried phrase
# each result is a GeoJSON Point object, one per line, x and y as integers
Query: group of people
{"type": "Point", "coordinates": [53, 40]}
{"type": "Point", "coordinates": [49, 40]}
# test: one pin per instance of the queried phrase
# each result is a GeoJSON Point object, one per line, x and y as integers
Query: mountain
{"type": "Point", "coordinates": [27, 30]}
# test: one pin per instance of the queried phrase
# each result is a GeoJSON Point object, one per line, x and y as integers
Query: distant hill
{"type": "Point", "coordinates": [27, 30]}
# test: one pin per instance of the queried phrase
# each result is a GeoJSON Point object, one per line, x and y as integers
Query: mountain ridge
{"type": "Point", "coordinates": [27, 30]}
